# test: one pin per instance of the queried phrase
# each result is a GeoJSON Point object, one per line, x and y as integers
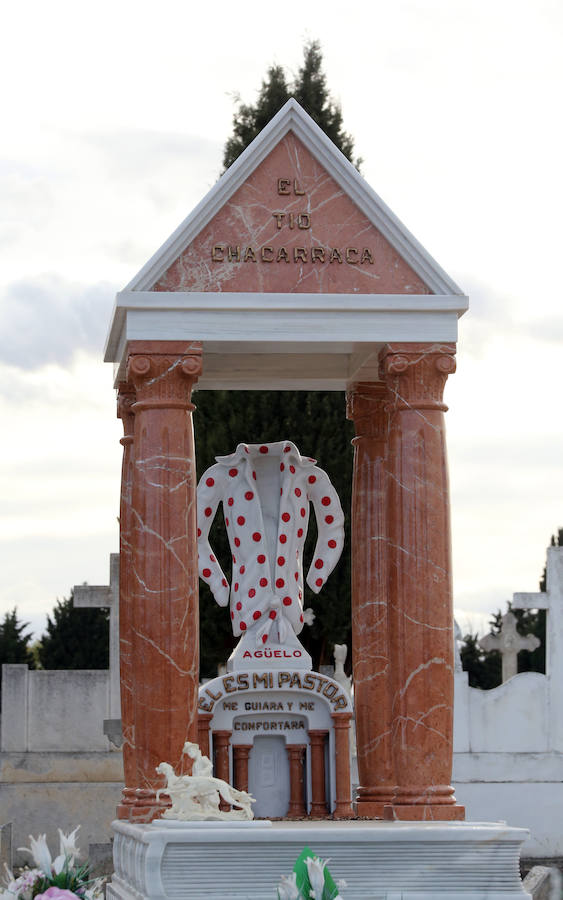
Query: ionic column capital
{"type": "Point", "coordinates": [317, 736]}
{"type": "Point", "coordinates": [163, 373]}
{"type": "Point", "coordinates": [242, 751]}
{"type": "Point", "coordinates": [366, 407]}
{"type": "Point", "coordinates": [416, 374]}
{"type": "Point", "coordinates": [125, 401]}
{"type": "Point", "coordinates": [342, 719]}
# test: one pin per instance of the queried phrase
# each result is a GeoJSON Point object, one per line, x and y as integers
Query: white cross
{"type": "Point", "coordinates": [91, 595]}
{"type": "Point", "coordinates": [509, 643]}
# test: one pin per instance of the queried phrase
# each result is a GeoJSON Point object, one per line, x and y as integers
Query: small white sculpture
{"type": "Point", "coordinates": [196, 797]}
{"type": "Point", "coordinates": [340, 653]}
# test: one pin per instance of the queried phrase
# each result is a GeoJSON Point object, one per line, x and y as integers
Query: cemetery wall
{"type": "Point", "coordinates": [57, 769]}
{"type": "Point", "coordinates": [505, 767]}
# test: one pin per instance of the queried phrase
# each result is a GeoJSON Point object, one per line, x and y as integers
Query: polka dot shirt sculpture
{"type": "Point", "coordinates": [266, 491]}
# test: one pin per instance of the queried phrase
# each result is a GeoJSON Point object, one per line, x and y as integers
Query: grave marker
{"type": "Point", "coordinates": [509, 643]}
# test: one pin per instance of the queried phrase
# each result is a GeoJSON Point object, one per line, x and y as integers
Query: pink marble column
{"type": "Point", "coordinates": [163, 581]}
{"type": "Point", "coordinates": [125, 401]}
{"type": "Point", "coordinates": [296, 756]}
{"type": "Point", "coordinates": [366, 406]}
{"type": "Point", "coordinates": [221, 744]}
{"type": "Point", "coordinates": [420, 586]}
{"type": "Point", "coordinates": [343, 808]}
{"type": "Point", "coordinates": [203, 722]}
{"type": "Point", "coordinates": [241, 753]}
{"type": "Point", "coordinates": [317, 742]}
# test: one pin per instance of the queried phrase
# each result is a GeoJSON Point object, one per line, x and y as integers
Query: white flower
{"type": "Point", "coordinates": [21, 887]}
{"type": "Point", "coordinates": [308, 616]}
{"type": "Point", "coordinates": [40, 853]}
{"type": "Point", "coordinates": [68, 846]}
{"type": "Point", "coordinates": [316, 873]}
{"type": "Point", "coordinates": [287, 888]}
{"type": "Point", "coordinates": [96, 890]}
{"type": "Point", "coordinates": [9, 876]}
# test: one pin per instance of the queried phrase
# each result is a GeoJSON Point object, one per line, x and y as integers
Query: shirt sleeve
{"type": "Point", "coordinates": [330, 528]}
{"type": "Point", "coordinates": [209, 493]}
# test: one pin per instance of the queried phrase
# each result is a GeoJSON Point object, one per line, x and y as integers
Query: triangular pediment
{"type": "Point", "coordinates": [293, 215]}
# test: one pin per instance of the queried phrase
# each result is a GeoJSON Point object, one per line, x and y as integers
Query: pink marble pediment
{"type": "Point", "coordinates": [290, 227]}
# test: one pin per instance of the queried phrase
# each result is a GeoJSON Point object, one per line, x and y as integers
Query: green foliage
{"type": "Point", "coordinates": [249, 121]}
{"type": "Point", "coordinates": [309, 89]}
{"type": "Point", "coordinates": [75, 638]}
{"type": "Point", "coordinates": [316, 422]}
{"type": "Point", "coordinates": [13, 642]}
{"type": "Point", "coordinates": [71, 878]}
{"type": "Point", "coordinates": [484, 667]}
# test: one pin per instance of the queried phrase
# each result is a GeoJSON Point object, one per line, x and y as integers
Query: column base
{"type": "Point", "coordinates": [370, 809]}
{"type": "Point", "coordinates": [127, 800]}
{"type": "Point", "coordinates": [371, 801]}
{"type": "Point", "coordinates": [141, 806]}
{"type": "Point", "coordinates": [423, 812]}
{"type": "Point", "coordinates": [344, 811]}
{"type": "Point", "coordinates": [318, 811]}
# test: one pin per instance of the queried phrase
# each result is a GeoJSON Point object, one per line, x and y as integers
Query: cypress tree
{"type": "Point", "coordinates": [309, 89]}
{"type": "Point", "coordinates": [75, 638]}
{"type": "Point", "coordinates": [14, 644]}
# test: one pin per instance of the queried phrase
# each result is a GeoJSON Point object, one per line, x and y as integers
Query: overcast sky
{"type": "Point", "coordinates": [114, 118]}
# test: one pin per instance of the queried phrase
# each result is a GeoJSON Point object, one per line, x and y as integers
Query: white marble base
{"type": "Point", "coordinates": [379, 860]}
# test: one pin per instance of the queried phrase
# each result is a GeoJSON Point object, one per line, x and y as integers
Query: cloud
{"type": "Point", "coordinates": [135, 154]}
{"type": "Point", "coordinates": [47, 319]}
{"type": "Point", "coordinates": [493, 313]}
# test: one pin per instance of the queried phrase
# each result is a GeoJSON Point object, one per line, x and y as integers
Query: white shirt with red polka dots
{"type": "Point", "coordinates": [267, 539]}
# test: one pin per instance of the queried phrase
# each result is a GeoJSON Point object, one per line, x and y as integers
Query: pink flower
{"type": "Point", "coordinates": [57, 893]}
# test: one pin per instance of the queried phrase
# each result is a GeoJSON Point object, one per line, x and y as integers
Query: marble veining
{"type": "Point", "coordinates": [248, 220]}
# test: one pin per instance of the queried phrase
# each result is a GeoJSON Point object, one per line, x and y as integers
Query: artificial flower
{"type": "Point", "coordinates": [68, 846]}
{"type": "Point", "coordinates": [287, 889]}
{"type": "Point", "coordinates": [57, 893]}
{"type": "Point", "coordinates": [40, 853]}
{"type": "Point", "coordinates": [316, 872]}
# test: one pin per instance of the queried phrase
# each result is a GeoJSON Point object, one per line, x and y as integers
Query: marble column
{"type": "Point", "coordinates": [420, 585]}
{"type": "Point", "coordinates": [203, 722]}
{"type": "Point", "coordinates": [241, 752]}
{"type": "Point", "coordinates": [343, 808]}
{"type": "Point", "coordinates": [221, 744]}
{"type": "Point", "coordinates": [163, 579]}
{"type": "Point", "coordinates": [296, 756]}
{"type": "Point", "coordinates": [366, 406]}
{"type": "Point", "coordinates": [125, 401]}
{"type": "Point", "coordinates": [317, 743]}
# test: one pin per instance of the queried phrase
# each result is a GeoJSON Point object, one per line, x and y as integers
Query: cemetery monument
{"type": "Point", "coordinates": [293, 274]}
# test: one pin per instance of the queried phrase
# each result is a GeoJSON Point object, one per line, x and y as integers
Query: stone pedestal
{"type": "Point", "coordinates": [378, 860]}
